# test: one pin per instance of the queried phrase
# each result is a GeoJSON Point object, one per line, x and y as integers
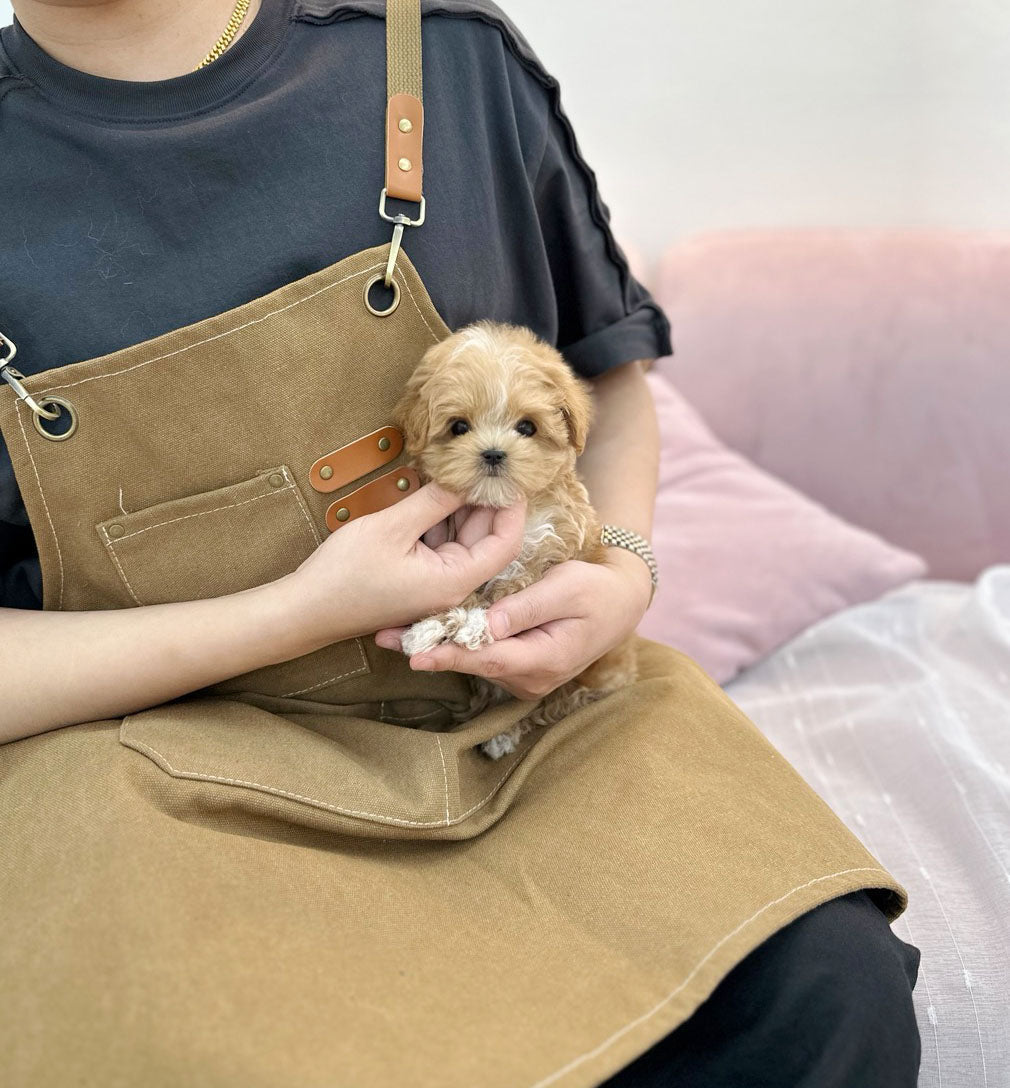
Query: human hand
{"type": "Point", "coordinates": [377, 571]}
{"type": "Point", "coordinates": [550, 632]}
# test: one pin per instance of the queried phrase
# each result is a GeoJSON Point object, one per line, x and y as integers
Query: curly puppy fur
{"type": "Point", "coordinates": [493, 412]}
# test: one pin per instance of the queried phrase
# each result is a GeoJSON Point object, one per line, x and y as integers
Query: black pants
{"type": "Point", "coordinates": [824, 1003]}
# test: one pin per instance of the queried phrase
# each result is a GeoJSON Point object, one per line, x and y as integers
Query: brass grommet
{"type": "Point", "coordinates": [403, 483]}
{"type": "Point", "coordinates": [377, 278]}
{"type": "Point", "coordinates": [65, 405]}
{"type": "Point", "coordinates": [116, 531]}
{"type": "Point", "coordinates": [326, 472]}
{"type": "Point", "coordinates": [384, 443]}
{"type": "Point", "coordinates": [342, 514]}
{"type": "Point", "coordinates": [405, 125]}
{"type": "Point", "coordinates": [404, 164]}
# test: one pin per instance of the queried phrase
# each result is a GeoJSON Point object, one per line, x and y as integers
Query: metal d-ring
{"type": "Point", "coordinates": [62, 406]}
{"type": "Point", "coordinates": [370, 283]}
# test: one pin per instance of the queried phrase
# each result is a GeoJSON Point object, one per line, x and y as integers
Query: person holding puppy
{"type": "Point", "coordinates": [245, 839]}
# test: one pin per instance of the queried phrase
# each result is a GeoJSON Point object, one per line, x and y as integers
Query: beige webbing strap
{"type": "Point", "coordinates": [404, 112]}
{"type": "Point", "coordinates": [403, 48]}
{"type": "Point", "coordinates": [404, 128]}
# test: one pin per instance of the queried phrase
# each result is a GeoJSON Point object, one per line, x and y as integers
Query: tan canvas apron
{"type": "Point", "coordinates": [304, 875]}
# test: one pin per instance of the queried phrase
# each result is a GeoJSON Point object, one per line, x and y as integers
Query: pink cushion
{"type": "Point", "coordinates": [745, 561]}
{"type": "Point", "coordinates": [869, 369]}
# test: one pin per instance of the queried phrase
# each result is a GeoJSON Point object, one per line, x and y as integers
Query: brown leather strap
{"type": "Point", "coordinates": [376, 495]}
{"type": "Point", "coordinates": [355, 459]}
{"type": "Point", "coordinates": [404, 110]}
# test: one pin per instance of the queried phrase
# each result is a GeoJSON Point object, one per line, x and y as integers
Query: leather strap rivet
{"type": "Point", "coordinates": [276, 480]}
{"type": "Point", "coordinates": [342, 514]}
{"type": "Point", "coordinates": [326, 472]}
{"type": "Point", "coordinates": [405, 125]}
{"type": "Point", "coordinates": [404, 164]}
{"type": "Point", "coordinates": [116, 531]}
{"type": "Point", "coordinates": [383, 443]}
{"type": "Point", "coordinates": [402, 483]}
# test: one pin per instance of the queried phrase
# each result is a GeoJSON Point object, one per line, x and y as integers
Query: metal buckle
{"type": "Point", "coordinates": [12, 376]}
{"type": "Point", "coordinates": [399, 222]}
{"type": "Point", "coordinates": [407, 222]}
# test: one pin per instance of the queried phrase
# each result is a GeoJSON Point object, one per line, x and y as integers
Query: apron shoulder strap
{"type": "Point", "coordinates": [404, 109]}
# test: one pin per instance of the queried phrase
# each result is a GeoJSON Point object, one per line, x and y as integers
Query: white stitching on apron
{"type": "Point", "coordinates": [445, 776]}
{"type": "Point", "coordinates": [305, 509]}
{"type": "Point", "coordinates": [200, 513]}
{"type": "Point", "coordinates": [56, 539]}
{"type": "Point", "coordinates": [403, 281]}
{"type": "Point", "coordinates": [132, 742]}
{"type": "Point", "coordinates": [363, 667]}
{"type": "Point", "coordinates": [697, 967]}
{"type": "Point", "coordinates": [239, 328]}
{"type": "Point", "coordinates": [122, 573]}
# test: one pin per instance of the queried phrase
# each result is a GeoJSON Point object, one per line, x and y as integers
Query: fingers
{"type": "Point", "coordinates": [424, 509]}
{"type": "Point", "coordinates": [516, 657]}
{"type": "Point", "coordinates": [437, 534]}
{"type": "Point", "coordinates": [529, 665]}
{"type": "Point", "coordinates": [389, 637]}
{"type": "Point", "coordinates": [494, 551]}
{"type": "Point", "coordinates": [472, 523]}
{"type": "Point", "coordinates": [552, 598]}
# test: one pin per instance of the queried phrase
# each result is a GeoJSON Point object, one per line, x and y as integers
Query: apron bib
{"type": "Point", "coordinates": [304, 874]}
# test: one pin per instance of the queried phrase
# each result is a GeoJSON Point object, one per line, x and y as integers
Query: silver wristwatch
{"type": "Point", "coordinates": [633, 542]}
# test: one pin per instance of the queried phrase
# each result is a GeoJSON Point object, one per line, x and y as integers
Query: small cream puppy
{"type": "Point", "coordinates": [494, 413]}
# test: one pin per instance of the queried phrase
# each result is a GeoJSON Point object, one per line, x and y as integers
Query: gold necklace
{"type": "Point", "coordinates": [228, 36]}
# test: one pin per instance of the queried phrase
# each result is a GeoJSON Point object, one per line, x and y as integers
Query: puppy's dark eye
{"type": "Point", "coordinates": [526, 427]}
{"type": "Point", "coordinates": [458, 427]}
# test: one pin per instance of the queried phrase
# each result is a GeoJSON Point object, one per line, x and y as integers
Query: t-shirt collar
{"type": "Point", "coordinates": [163, 99]}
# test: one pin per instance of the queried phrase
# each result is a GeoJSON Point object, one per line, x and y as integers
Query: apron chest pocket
{"type": "Point", "coordinates": [223, 541]}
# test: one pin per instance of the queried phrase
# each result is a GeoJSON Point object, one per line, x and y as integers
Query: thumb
{"type": "Point", "coordinates": [424, 509]}
{"type": "Point", "coordinates": [531, 607]}
{"type": "Point", "coordinates": [492, 553]}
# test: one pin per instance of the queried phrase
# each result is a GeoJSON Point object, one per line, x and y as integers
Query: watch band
{"type": "Point", "coordinates": [634, 542]}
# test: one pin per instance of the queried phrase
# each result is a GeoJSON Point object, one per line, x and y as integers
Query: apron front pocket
{"type": "Point", "coordinates": [224, 541]}
{"type": "Point", "coordinates": [328, 769]}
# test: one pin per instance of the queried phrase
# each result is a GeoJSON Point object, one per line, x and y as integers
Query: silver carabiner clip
{"type": "Point", "coordinates": [12, 378]}
{"type": "Point", "coordinates": [399, 222]}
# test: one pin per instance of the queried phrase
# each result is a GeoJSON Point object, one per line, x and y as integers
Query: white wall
{"type": "Point", "coordinates": [700, 115]}
{"type": "Point", "coordinates": [785, 112]}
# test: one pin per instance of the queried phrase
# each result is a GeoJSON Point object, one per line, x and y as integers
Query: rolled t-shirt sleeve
{"type": "Point", "coordinates": [605, 316]}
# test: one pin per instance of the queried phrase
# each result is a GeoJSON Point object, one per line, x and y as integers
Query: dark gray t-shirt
{"type": "Point", "coordinates": [129, 209]}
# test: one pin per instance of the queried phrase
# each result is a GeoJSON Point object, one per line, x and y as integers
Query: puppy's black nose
{"type": "Point", "coordinates": [493, 457]}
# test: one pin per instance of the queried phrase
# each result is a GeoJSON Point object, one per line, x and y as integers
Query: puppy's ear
{"type": "Point", "coordinates": [577, 409]}
{"type": "Point", "coordinates": [576, 398]}
{"type": "Point", "coordinates": [411, 413]}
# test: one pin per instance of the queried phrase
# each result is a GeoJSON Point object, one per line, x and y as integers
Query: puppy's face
{"type": "Point", "coordinates": [493, 412]}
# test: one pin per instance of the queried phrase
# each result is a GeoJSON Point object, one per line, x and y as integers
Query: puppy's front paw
{"type": "Point", "coordinates": [469, 627]}
{"type": "Point", "coordinates": [502, 745]}
{"type": "Point", "coordinates": [465, 626]}
{"type": "Point", "coordinates": [423, 635]}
